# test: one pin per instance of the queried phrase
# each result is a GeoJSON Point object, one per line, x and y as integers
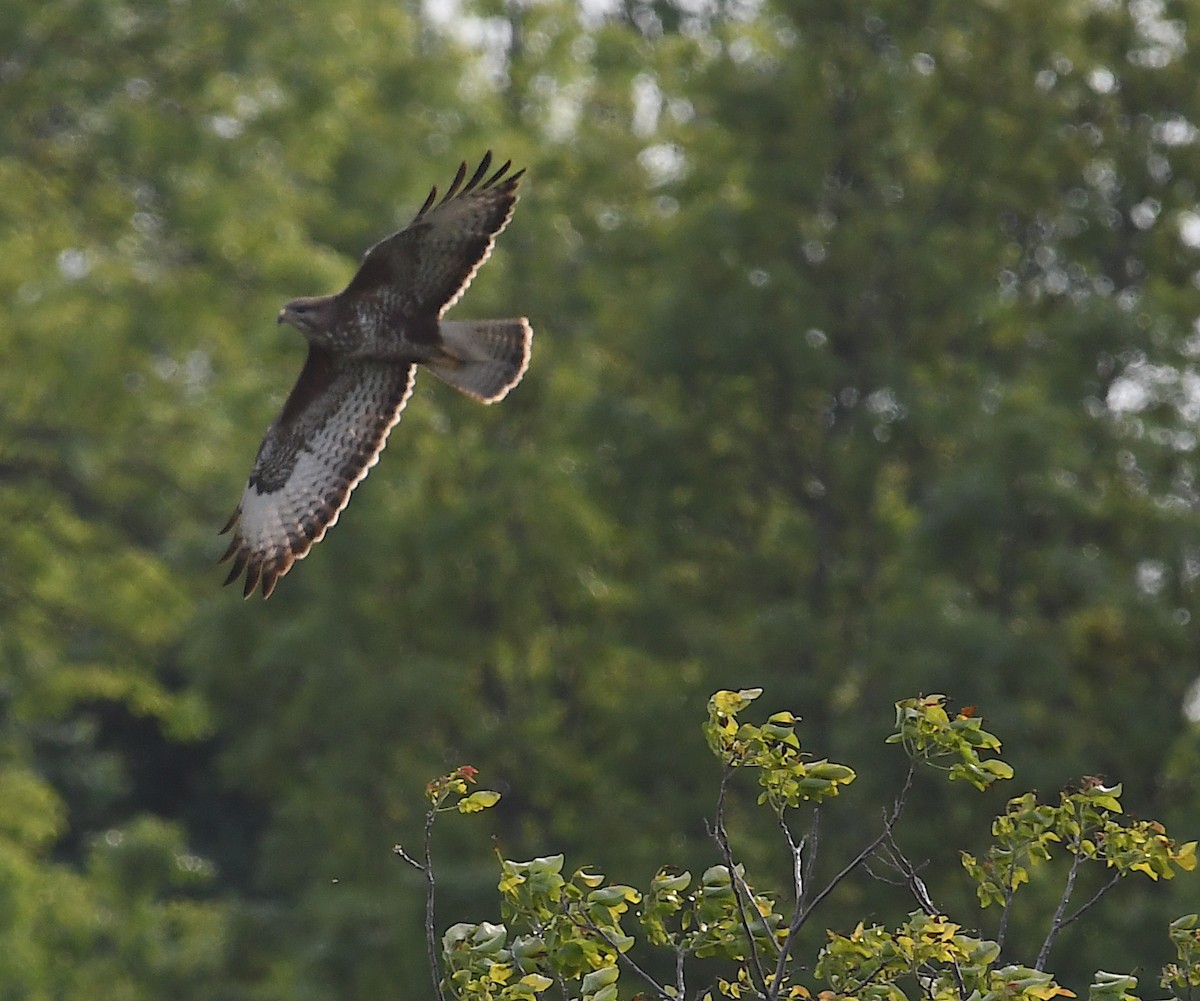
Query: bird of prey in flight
{"type": "Point", "coordinates": [364, 346]}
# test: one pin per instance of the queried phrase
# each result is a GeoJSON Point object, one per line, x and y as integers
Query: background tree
{"type": "Point", "coordinates": [864, 364]}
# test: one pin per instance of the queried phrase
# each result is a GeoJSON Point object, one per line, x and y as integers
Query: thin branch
{"type": "Point", "coordinates": [430, 927]}
{"type": "Point", "coordinates": [888, 825]}
{"type": "Point", "coordinates": [925, 981]}
{"type": "Point", "coordinates": [539, 929]}
{"type": "Point", "coordinates": [900, 862]}
{"type": "Point", "coordinates": [881, 878]}
{"type": "Point", "coordinates": [399, 850]}
{"type": "Point", "coordinates": [680, 956]}
{"type": "Point", "coordinates": [1095, 899]}
{"type": "Point", "coordinates": [811, 842]}
{"type": "Point", "coordinates": [739, 882]}
{"type": "Point", "coordinates": [890, 854]}
{"type": "Point", "coordinates": [1002, 931]}
{"type": "Point", "coordinates": [873, 977]}
{"type": "Point", "coordinates": [797, 851]}
{"type": "Point", "coordinates": [427, 870]}
{"type": "Point", "coordinates": [802, 914]}
{"type": "Point", "coordinates": [1057, 924]}
{"type": "Point", "coordinates": [741, 892]}
{"type": "Point", "coordinates": [582, 918]}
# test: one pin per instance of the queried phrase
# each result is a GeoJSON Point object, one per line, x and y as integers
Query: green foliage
{"type": "Point", "coordinates": [1089, 826]}
{"type": "Point", "coordinates": [562, 930]}
{"type": "Point", "coordinates": [929, 735]}
{"type": "Point", "coordinates": [1113, 987]}
{"type": "Point", "coordinates": [932, 952]}
{"type": "Point", "coordinates": [1184, 974]}
{"type": "Point", "coordinates": [452, 792]}
{"type": "Point", "coordinates": [569, 932]}
{"type": "Point", "coordinates": [136, 916]}
{"type": "Point", "coordinates": [773, 748]}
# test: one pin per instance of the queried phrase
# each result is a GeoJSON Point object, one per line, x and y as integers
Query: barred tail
{"type": "Point", "coordinates": [483, 358]}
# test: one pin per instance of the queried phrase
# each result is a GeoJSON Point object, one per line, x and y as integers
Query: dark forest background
{"type": "Point", "coordinates": [865, 364]}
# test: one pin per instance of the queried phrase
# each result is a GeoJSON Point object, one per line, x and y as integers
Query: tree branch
{"type": "Point", "coordinates": [1057, 924]}
{"type": "Point", "coordinates": [798, 863]}
{"type": "Point", "coordinates": [582, 918]}
{"type": "Point", "coordinates": [900, 862]}
{"type": "Point", "coordinates": [721, 836]}
{"type": "Point", "coordinates": [811, 842]}
{"type": "Point", "coordinates": [1002, 931]}
{"type": "Point", "coordinates": [802, 914]}
{"type": "Point", "coordinates": [430, 927]}
{"type": "Point", "coordinates": [1095, 899]}
{"type": "Point", "coordinates": [399, 850]}
{"type": "Point", "coordinates": [430, 889]}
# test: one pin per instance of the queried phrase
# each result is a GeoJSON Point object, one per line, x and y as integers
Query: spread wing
{"type": "Point", "coordinates": [331, 431]}
{"type": "Point", "coordinates": [424, 268]}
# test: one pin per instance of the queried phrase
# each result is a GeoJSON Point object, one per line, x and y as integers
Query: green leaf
{"type": "Point", "coordinates": [731, 703]}
{"type": "Point", "coordinates": [599, 978]}
{"type": "Point", "coordinates": [478, 801]}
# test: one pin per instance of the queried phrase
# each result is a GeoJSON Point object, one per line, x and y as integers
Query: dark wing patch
{"type": "Point", "coordinates": [332, 429]}
{"type": "Point", "coordinates": [424, 268]}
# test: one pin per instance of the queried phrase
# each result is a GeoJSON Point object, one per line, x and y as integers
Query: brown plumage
{"type": "Point", "coordinates": [364, 345]}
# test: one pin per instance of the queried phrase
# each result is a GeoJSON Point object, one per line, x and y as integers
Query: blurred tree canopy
{"type": "Point", "coordinates": [864, 363]}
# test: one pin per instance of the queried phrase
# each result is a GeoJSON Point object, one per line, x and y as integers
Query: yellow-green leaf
{"type": "Point", "coordinates": [478, 801]}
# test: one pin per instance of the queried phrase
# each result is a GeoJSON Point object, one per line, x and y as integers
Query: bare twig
{"type": "Point", "coordinates": [889, 824]}
{"type": "Point", "coordinates": [399, 850]}
{"type": "Point", "coordinates": [1095, 899]}
{"type": "Point", "coordinates": [900, 862]}
{"type": "Point", "coordinates": [802, 914]}
{"type": "Point", "coordinates": [741, 891]}
{"type": "Point", "coordinates": [430, 889]}
{"type": "Point", "coordinates": [797, 850]}
{"type": "Point", "coordinates": [913, 878]}
{"type": "Point", "coordinates": [1008, 899]}
{"type": "Point", "coordinates": [1057, 924]}
{"type": "Point", "coordinates": [881, 878]}
{"type": "Point", "coordinates": [811, 841]}
{"type": "Point", "coordinates": [680, 985]}
{"type": "Point", "coordinates": [582, 918]}
{"type": "Point", "coordinates": [867, 981]}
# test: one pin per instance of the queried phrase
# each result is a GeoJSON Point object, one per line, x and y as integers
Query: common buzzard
{"type": "Point", "coordinates": [364, 345]}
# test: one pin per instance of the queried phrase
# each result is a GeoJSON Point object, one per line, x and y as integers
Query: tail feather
{"type": "Point", "coordinates": [483, 358]}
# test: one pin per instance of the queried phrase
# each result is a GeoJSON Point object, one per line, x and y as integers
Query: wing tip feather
{"type": "Point", "coordinates": [262, 572]}
{"type": "Point", "coordinates": [479, 181]}
{"type": "Point", "coordinates": [237, 513]}
{"type": "Point", "coordinates": [239, 564]}
{"type": "Point", "coordinates": [457, 183]}
{"type": "Point", "coordinates": [253, 572]}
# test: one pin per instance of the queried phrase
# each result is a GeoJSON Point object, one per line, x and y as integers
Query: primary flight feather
{"type": "Point", "coordinates": [364, 345]}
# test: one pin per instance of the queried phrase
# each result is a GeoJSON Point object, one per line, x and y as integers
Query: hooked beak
{"type": "Point", "coordinates": [291, 317]}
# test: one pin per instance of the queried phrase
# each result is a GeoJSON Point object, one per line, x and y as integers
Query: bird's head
{"type": "Point", "coordinates": [308, 315]}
